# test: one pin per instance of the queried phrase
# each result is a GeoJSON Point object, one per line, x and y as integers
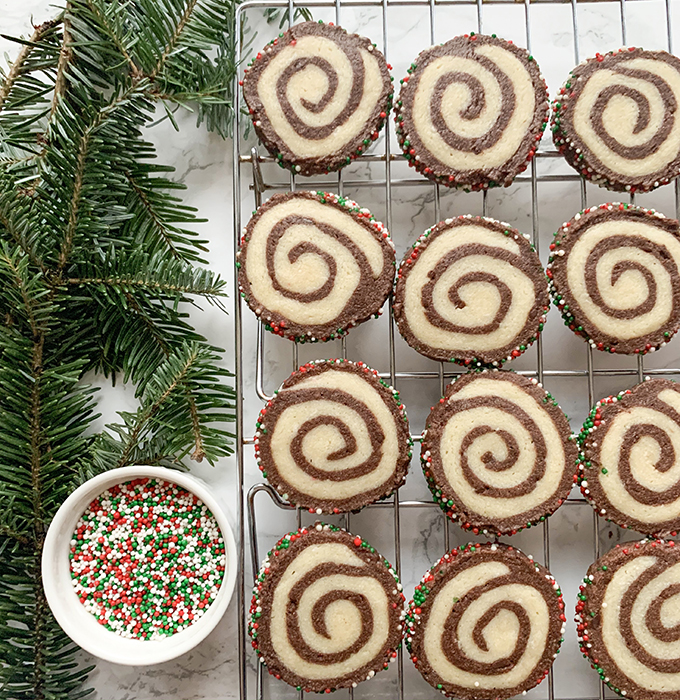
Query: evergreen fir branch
{"type": "Point", "coordinates": [96, 254]}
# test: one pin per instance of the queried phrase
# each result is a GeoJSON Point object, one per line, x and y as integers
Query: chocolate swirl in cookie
{"type": "Point", "coordinates": [318, 96]}
{"type": "Point", "coordinates": [616, 119]}
{"type": "Point", "coordinates": [327, 610]}
{"type": "Point", "coordinates": [630, 464]}
{"type": "Point", "coordinates": [334, 438]}
{"type": "Point", "coordinates": [614, 272]}
{"type": "Point", "coordinates": [313, 264]}
{"type": "Point", "coordinates": [498, 453]}
{"type": "Point", "coordinates": [628, 621]}
{"type": "Point", "coordinates": [471, 290]}
{"type": "Point", "coordinates": [485, 622]}
{"type": "Point", "coordinates": [472, 111]}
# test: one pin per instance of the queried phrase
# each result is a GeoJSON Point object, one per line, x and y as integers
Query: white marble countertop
{"type": "Point", "coordinates": [203, 163]}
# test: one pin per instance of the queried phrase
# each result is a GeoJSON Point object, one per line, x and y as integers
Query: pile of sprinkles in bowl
{"type": "Point", "coordinates": [147, 559]}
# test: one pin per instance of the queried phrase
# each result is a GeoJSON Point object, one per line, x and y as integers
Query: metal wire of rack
{"type": "Point", "coordinates": [251, 161]}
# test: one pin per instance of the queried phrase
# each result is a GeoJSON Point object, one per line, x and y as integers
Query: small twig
{"type": "Point", "coordinates": [24, 53]}
{"type": "Point", "coordinates": [174, 39]}
{"type": "Point", "coordinates": [134, 69]}
{"type": "Point", "coordinates": [65, 56]}
{"type": "Point", "coordinates": [8, 532]}
{"type": "Point", "coordinates": [151, 411]}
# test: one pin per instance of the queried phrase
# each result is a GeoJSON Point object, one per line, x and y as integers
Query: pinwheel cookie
{"type": "Point", "coordinates": [485, 623]}
{"type": "Point", "coordinates": [471, 290]}
{"type": "Point", "coordinates": [616, 119]}
{"type": "Point", "coordinates": [627, 619]}
{"type": "Point", "coordinates": [314, 264]}
{"type": "Point", "coordinates": [334, 438]}
{"type": "Point", "coordinates": [471, 112]}
{"type": "Point", "coordinates": [318, 96]}
{"type": "Point", "coordinates": [327, 610]}
{"type": "Point", "coordinates": [498, 453]}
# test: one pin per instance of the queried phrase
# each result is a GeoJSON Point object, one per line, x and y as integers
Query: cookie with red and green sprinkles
{"type": "Point", "coordinates": [615, 119]}
{"type": "Point", "coordinates": [147, 559]}
{"type": "Point", "coordinates": [318, 96]}
{"type": "Point", "coordinates": [334, 438]}
{"type": "Point", "coordinates": [614, 273]}
{"type": "Point", "coordinates": [627, 619]}
{"type": "Point", "coordinates": [471, 290]}
{"type": "Point", "coordinates": [630, 455]}
{"type": "Point", "coordinates": [485, 623]}
{"type": "Point", "coordinates": [327, 610]}
{"type": "Point", "coordinates": [311, 265]}
{"type": "Point", "coordinates": [497, 452]}
{"type": "Point", "coordinates": [472, 111]}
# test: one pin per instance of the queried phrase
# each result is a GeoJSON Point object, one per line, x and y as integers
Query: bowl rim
{"type": "Point", "coordinates": [57, 544]}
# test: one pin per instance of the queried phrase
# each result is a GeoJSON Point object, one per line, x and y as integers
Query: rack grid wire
{"type": "Point", "coordinates": [250, 162]}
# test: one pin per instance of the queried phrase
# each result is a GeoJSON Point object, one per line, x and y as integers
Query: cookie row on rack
{"type": "Point", "coordinates": [471, 289]}
{"type": "Point", "coordinates": [497, 451]}
{"type": "Point", "coordinates": [485, 622]}
{"type": "Point", "coordinates": [470, 112]}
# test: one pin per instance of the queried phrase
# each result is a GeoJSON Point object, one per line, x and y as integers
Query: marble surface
{"type": "Point", "coordinates": [203, 163]}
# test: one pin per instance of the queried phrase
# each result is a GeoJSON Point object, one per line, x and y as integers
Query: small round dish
{"type": "Point", "coordinates": [80, 625]}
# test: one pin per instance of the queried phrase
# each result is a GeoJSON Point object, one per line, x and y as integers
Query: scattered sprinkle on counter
{"type": "Point", "coordinates": [147, 559]}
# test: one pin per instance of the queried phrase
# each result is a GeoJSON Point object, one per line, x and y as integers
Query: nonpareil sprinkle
{"type": "Point", "coordinates": [147, 559]}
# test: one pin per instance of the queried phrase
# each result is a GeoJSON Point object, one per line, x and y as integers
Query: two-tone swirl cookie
{"type": "Point", "coordinates": [314, 264]}
{"type": "Point", "coordinates": [471, 290]}
{"type": "Point", "coordinates": [485, 623]}
{"type": "Point", "coordinates": [628, 619]}
{"type": "Point", "coordinates": [471, 112]}
{"type": "Point", "coordinates": [327, 610]}
{"type": "Point", "coordinates": [318, 96]}
{"type": "Point", "coordinates": [614, 274]}
{"type": "Point", "coordinates": [498, 453]}
{"type": "Point", "coordinates": [334, 438]}
{"type": "Point", "coordinates": [630, 458]}
{"type": "Point", "coordinates": [615, 120]}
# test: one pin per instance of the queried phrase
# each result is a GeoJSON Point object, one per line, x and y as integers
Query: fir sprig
{"type": "Point", "coordinates": [97, 266]}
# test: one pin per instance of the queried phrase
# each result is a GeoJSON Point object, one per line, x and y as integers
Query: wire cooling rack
{"type": "Point", "coordinates": [259, 504]}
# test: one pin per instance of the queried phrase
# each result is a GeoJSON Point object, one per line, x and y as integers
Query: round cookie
{"type": "Point", "coordinates": [498, 453]}
{"type": "Point", "coordinates": [327, 610]}
{"type": "Point", "coordinates": [615, 119]}
{"type": "Point", "coordinates": [472, 290]}
{"type": "Point", "coordinates": [313, 264]}
{"type": "Point", "coordinates": [630, 458]}
{"type": "Point", "coordinates": [334, 438]}
{"type": "Point", "coordinates": [472, 111]}
{"type": "Point", "coordinates": [627, 619]}
{"type": "Point", "coordinates": [318, 96]}
{"type": "Point", "coordinates": [485, 623]}
{"type": "Point", "coordinates": [614, 275]}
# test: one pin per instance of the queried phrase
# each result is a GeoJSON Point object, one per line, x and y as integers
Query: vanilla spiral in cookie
{"type": "Point", "coordinates": [485, 622]}
{"type": "Point", "coordinates": [330, 609]}
{"type": "Point", "coordinates": [471, 111]}
{"type": "Point", "coordinates": [630, 469]}
{"type": "Point", "coordinates": [313, 264]}
{"type": "Point", "coordinates": [497, 452]}
{"type": "Point", "coordinates": [629, 621]}
{"type": "Point", "coordinates": [317, 96]}
{"type": "Point", "coordinates": [615, 275]}
{"type": "Point", "coordinates": [616, 119]}
{"type": "Point", "coordinates": [471, 290]}
{"type": "Point", "coordinates": [334, 438]}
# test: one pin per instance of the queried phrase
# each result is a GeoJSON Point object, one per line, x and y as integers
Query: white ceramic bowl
{"type": "Point", "coordinates": [80, 625]}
